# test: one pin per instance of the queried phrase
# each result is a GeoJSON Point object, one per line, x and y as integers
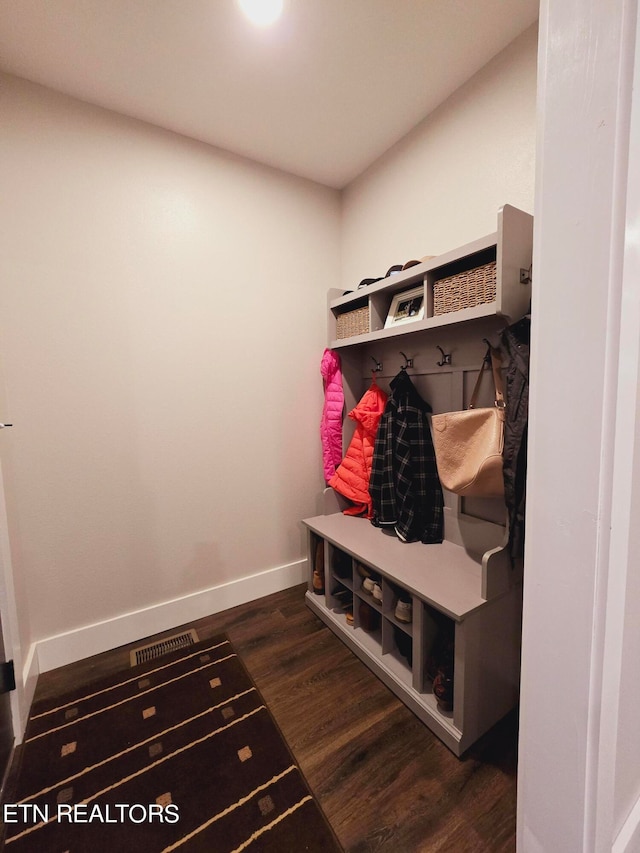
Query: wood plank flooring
{"type": "Point", "coordinates": [385, 782]}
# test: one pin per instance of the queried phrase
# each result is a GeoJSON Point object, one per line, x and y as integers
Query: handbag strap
{"type": "Point", "coordinates": [494, 359]}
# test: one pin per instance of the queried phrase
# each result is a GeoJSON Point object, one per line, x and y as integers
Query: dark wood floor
{"type": "Point", "coordinates": [384, 781]}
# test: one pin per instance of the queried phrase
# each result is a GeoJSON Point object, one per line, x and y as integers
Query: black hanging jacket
{"type": "Point", "coordinates": [515, 345]}
{"type": "Point", "coordinates": [404, 485]}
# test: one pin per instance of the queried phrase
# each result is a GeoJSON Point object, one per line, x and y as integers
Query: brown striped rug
{"type": "Point", "coordinates": [177, 754]}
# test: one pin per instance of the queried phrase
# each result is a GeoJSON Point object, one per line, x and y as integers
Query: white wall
{"type": "Point", "coordinates": [161, 329]}
{"type": "Point", "coordinates": [442, 185]}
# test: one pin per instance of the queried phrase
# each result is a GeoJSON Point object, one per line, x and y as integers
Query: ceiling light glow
{"type": "Point", "coordinates": [262, 13]}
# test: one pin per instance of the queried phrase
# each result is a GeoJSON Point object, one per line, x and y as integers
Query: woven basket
{"type": "Point", "coordinates": [464, 290]}
{"type": "Point", "coordinates": [352, 323]}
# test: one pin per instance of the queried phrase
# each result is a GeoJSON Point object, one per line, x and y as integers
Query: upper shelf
{"type": "Point", "coordinates": [510, 246]}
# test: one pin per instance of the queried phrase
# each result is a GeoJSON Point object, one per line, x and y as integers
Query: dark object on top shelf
{"type": "Point", "coordinates": [394, 270]}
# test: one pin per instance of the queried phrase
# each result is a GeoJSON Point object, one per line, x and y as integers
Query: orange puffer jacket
{"type": "Point", "coordinates": [352, 475]}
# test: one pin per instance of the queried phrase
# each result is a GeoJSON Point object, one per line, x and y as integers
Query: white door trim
{"type": "Point", "coordinates": [21, 697]}
{"type": "Point", "coordinates": [580, 409]}
{"type": "Point", "coordinates": [610, 818]}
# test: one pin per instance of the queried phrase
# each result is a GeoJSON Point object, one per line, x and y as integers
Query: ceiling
{"type": "Point", "coordinates": [321, 94]}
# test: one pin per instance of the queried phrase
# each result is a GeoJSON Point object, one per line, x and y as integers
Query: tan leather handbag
{"type": "Point", "coordinates": [469, 444]}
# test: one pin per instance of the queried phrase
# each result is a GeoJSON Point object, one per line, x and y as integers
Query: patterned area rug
{"type": "Point", "coordinates": [177, 754]}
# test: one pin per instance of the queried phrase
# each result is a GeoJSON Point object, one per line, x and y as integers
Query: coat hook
{"type": "Point", "coordinates": [378, 365]}
{"type": "Point", "coordinates": [409, 361]}
{"type": "Point", "coordinates": [446, 357]}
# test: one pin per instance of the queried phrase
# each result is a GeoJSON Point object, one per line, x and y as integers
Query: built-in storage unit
{"type": "Point", "coordinates": [507, 247]}
{"type": "Point", "coordinates": [465, 589]}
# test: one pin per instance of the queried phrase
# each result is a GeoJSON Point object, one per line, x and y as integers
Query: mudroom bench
{"type": "Point", "coordinates": [444, 581]}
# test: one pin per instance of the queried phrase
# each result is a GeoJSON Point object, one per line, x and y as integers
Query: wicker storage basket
{"type": "Point", "coordinates": [464, 290]}
{"type": "Point", "coordinates": [352, 323]}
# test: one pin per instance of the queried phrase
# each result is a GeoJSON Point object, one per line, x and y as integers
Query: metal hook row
{"type": "Point", "coordinates": [408, 362]}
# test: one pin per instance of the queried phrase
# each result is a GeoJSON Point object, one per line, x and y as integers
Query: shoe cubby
{"type": "Point", "coordinates": [367, 584]}
{"type": "Point", "coordinates": [341, 566]}
{"type": "Point", "coordinates": [398, 607]}
{"type": "Point", "coordinates": [368, 626]}
{"type": "Point", "coordinates": [369, 619]}
{"type": "Point", "coordinates": [443, 585]}
{"type": "Point", "coordinates": [435, 675]}
{"type": "Point", "coordinates": [397, 652]}
{"type": "Point", "coordinates": [339, 599]}
{"type": "Point", "coordinates": [317, 562]}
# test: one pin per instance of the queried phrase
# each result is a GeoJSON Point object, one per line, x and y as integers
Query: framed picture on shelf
{"type": "Point", "coordinates": [406, 307]}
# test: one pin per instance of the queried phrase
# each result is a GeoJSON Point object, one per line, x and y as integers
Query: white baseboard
{"type": "Point", "coordinates": [71, 646]}
{"type": "Point", "coordinates": [628, 840]}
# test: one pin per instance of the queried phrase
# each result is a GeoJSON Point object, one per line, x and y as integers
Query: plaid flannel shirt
{"type": "Point", "coordinates": [404, 486]}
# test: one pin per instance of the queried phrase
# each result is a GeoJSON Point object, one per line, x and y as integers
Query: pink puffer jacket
{"type": "Point", "coordinates": [331, 423]}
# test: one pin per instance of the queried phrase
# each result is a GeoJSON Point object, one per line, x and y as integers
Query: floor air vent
{"type": "Point", "coordinates": [170, 644]}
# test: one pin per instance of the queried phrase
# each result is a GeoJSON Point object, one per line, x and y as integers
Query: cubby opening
{"type": "Point", "coordinates": [397, 652]}
{"type": "Point", "coordinates": [340, 566]}
{"type": "Point", "coordinates": [465, 282]}
{"type": "Point", "coordinates": [382, 301]}
{"type": "Point", "coordinates": [351, 320]}
{"type": "Point", "coordinates": [368, 585]}
{"type": "Point", "coordinates": [398, 607]}
{"type": "Point", "coordinates": [316, 564]}
{"type": "Point", "coordinates": [369, 619]}
{"type": "Point", "coordinates": [340, 600]}
{"type": "Point", "coordinates": [438, 656]}
{"type": "Point", "coordinates": [468, 262]}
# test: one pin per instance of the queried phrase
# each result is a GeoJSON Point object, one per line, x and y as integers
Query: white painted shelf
{"type": "Point", "coordinates": [509, 246]}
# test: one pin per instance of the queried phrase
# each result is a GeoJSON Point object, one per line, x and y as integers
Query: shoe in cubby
{"type": "Point", "coordinates": [443, 689]}
{"type": "Point", "coordinates": [318, 568]}
{"type": "Point", "coordinates": [369, 618]}
{"type": "Point", "coordinates": [440, 664]}
{"type": "Point", "coordinates": [441, 654]}
{"type": "Point", "coordinates": [343, 601]}
{"type": "Point", "coordinates": [369, 584]}
{"type": "Point", "coordinates": [404, 610]}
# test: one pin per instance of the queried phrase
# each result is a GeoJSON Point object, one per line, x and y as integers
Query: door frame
{"type": "Point", "coordinates": [584, 371]}
{"type": "Point", "coordinates": [10, 624]}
